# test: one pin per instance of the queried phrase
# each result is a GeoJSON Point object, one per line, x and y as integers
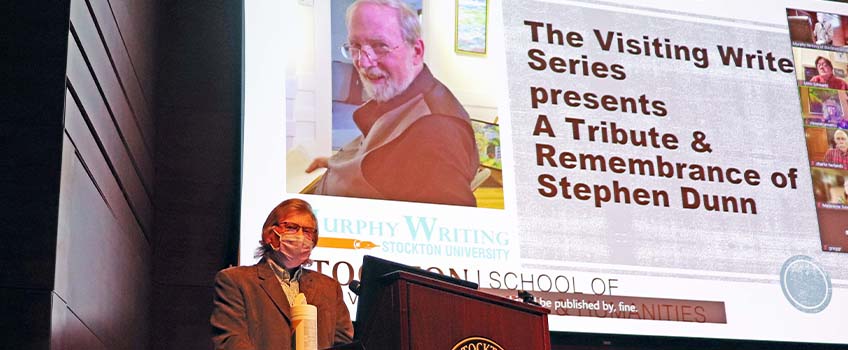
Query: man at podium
{"type": "Point", "coordinates": [253, 304]}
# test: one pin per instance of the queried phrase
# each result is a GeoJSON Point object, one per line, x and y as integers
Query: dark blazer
{"type": "Point", "coordinates": [252, 312]}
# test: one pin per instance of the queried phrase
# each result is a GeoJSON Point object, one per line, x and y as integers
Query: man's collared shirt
{"type": "Point", "coordinates": [289, 282]}
{"type": "Point", "coordinates": [834, 155]}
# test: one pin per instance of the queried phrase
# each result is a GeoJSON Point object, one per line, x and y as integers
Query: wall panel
{"type": "Point", "coordinates": [139, 25]}
{"type": "Point", "coordinates": [101, 296]}
{"type": "Point", "coordinates": [69, 333]}
{"type": "Point", "coordinates": [102, 268]}
{"type": "Point", "coordinates": [85, 89]}
{"type": "Point", "coordinates": [99, 240]}
{"type": "Point", "coordinates": [82, 141]}
{"type": "Point", "coordinates": [111, 87]}
{"type": "Point", "coordinates": [136, 30]}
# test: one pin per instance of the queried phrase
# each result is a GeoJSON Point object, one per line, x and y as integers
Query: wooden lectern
{"type": "Point", "coordinates": [414, 312]}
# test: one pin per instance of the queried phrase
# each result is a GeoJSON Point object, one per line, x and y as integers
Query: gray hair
{"type": "Point", "coordinates": [293, 205]}
{"type": "Point", "coordinates": [410, 28]}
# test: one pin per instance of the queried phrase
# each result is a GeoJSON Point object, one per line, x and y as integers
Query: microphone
{"type": "Point", "coordinates": [527, 297]}
{"type": "Point", "coordinates": [354, 286]}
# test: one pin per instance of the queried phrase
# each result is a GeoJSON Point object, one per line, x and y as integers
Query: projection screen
{"type": "Point", "coordinates": [669, 168]}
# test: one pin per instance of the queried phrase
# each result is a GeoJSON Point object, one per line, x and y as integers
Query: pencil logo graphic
{"type": "Point", "coordinates": [345, 243]}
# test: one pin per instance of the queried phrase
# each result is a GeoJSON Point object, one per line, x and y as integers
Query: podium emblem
{"type": "Point", "coordinates": [477, 343]}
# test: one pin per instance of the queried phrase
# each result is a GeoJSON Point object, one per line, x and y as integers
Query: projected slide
{"type": "Point", "coordinates": [668, 169]}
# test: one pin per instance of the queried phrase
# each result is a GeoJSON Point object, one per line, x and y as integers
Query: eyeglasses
{"type": "Point", "coordinates": [374, 52]}
{"type": "Point", "coordinates": [292, 228]}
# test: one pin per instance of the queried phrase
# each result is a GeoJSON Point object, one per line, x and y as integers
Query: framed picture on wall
{"type": "Point", "coordinates": [471, 23]}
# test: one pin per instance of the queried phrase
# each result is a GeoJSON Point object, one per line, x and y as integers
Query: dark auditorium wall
{"type": "Point", "coordinates": [78, 174]}
{"type": "Point", "coordinates": [102, 286]}
{"type": "Point", "coordinates": [198, 147]}
{"type": "Point", "coordinates": [32, 105]}
{"type": "Point", "coordinates": [120, 142]}
{"type": "Point", "coordinates": [105, 224]}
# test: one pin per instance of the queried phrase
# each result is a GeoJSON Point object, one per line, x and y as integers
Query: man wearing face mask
{"type": "Point", "coordinates": [252, 305]}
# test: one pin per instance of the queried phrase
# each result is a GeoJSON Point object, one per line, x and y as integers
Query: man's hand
{"type": "Point", "coordinates": [320, 162]}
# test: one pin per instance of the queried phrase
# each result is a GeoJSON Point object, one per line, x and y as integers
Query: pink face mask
{"type": "Point", "coordinates": [294, 248]}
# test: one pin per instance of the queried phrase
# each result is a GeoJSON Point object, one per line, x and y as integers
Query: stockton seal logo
{"type": "Point", "coordinates": [477, 343]}
{"type": "Point", "coordinates": [805, 284]}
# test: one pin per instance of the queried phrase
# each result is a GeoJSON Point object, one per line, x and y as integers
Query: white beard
{"type": "Point", "coordinates": [383, 92]}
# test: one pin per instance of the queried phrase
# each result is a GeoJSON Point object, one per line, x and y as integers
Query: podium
{"type": "Point", "coordinates": [414, 312]}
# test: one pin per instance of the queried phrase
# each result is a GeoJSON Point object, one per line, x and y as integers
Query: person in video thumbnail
{"type": "Point", "coordinates": [839, 153]}
{"type": "Point", "coordinates": [417, 143]}
{"type": "Point", "coordinates": [843, 122]}
{"type": "Point", "coordinates": [253, 304]}
{"type": "Point", "coordinates": [823, 31]}
{"type": "Point", "coordinates": [844, 190]}
{"type": "Point", "coordinates": [825, 69]}
{"type": "Point", "coordinates": [839, 195]}
{"type": "Point", "coordinates": [832, 111]}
